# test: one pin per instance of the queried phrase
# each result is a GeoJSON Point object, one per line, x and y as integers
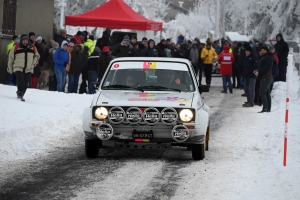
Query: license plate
{"type": "Point", "coordinates": [142, 135]}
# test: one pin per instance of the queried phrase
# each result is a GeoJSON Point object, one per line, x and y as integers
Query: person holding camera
{"type": "Point", "coordinates": [208, 55]}
{"type": "Point", "coordinates": [123, 49]}
{"type": "Point", "coordinates": [61, 61]}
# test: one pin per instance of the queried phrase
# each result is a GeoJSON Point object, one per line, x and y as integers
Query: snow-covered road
{"type": "Point", "coordinates": [40, 160]}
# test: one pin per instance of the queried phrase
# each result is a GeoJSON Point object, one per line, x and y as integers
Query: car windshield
{"type": "Point", "coordinates": [149, 76]}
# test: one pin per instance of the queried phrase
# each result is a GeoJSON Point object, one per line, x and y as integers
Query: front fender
{"type": "Point", "coordinates": [86, 119]}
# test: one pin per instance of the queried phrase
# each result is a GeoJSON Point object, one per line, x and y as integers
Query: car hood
{"type": "Point", "coordinates": [150, 98]}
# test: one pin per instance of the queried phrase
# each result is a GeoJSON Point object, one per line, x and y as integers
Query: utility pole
{"type": "Point", "coordinates": [62, 13]}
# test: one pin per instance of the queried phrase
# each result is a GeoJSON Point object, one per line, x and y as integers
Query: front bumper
{"type": "Point", "coordinates": [162, 134]}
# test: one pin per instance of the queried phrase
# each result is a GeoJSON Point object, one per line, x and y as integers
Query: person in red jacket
{"type": "Point", "coordinates": [226, 60]}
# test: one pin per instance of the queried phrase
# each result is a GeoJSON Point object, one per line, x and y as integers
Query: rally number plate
{"type": "Point", "coordinates": [138, 134]}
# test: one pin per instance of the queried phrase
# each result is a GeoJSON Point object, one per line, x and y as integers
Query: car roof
{"type": "Point", "coordinates": [152, 59]}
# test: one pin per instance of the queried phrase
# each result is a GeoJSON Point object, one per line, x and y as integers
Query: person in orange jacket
{"type": "Point", "coordinates": [226, 60]}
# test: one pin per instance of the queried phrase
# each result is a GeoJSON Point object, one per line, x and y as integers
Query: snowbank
{"type": "Point", "coordinates": [45, 121]}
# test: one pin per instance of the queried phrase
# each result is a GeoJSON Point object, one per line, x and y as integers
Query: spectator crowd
{"type": "Point", "coordinates": [251, 66]}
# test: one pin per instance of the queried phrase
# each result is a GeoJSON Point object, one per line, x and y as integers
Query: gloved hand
{"type": "Point", "coordinates": [65, 64]}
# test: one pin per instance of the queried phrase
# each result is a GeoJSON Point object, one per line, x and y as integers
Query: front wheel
{"type": "Point", "coordinates": [91, 148]}
{"type": "Point", "coordinates": [198, 151]}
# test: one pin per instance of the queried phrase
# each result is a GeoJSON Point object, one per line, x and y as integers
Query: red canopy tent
{"type": "Point", "coordinates": [114, 14]}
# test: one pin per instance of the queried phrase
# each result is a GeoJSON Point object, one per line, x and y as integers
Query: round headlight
{"type": "Point", "coordinates": [101, 113]}
{"type": "Point", "coordinates": [186, 115]}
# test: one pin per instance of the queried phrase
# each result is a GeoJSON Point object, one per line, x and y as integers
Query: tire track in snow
{"type": "Point", "coordinates": [58, 176]}
{"type": "Point", "coordinates": [164, 184]}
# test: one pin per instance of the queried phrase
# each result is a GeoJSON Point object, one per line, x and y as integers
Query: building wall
{"type": "Point", "coordinates": [32, 16]}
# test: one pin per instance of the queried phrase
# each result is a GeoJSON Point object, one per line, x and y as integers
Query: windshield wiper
{"type": "Point", "coordinates": [122, 86]}
{"type": "Point", "coordinates": [155, 87]}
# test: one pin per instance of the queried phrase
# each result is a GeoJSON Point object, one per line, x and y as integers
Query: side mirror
{"type": "Point", "coordinates": [95, 85]}
{"type": "Point", "coordinates": [203, 88]}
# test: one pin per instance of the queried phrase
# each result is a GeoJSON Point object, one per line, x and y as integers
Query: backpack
{"type": "Point", "coordinates": [17, 46]}
{"type": "Point", "coordinates": [275, 68]}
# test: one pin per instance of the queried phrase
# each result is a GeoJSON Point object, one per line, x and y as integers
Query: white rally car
{"type": "Point", "coordinates": [148, 103]}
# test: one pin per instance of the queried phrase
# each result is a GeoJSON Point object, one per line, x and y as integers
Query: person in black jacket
{"type": "Point", "coordinates": [132, 46]}
{"type": "Point", "coordinates": [84, 73]}
{"type": "Point", "coordinates": [250, 65]}
{"type": "Point", "coordinates": [236, 76]}
{"type": "Point", "coordinates": [265, 73]}
{"type": "Point", "coordinates": [104, 41]}
{"type": "Point", "coordinates": [150, 51]}
{"type": "Point", "coordinates": [282, 49]}
{"type": "Point", "coordinates": [144, 44]}
{"type": "Point", "coordinates": [177, 53]}
{"type": "Point", "coordinates": [77, 64]}
{"type": "Point", "coordinates": [123, 49]}
{"type": "Point", "coordinates": [92, 69]}
{"type": "Point", "coordinates": [240, 65]}
{"type": "Point", "coordinates": [104, 61]}
{"type": "Point", "coordinates": [37, 70]}
{"type": "Point", "coordinates": [161, 48]}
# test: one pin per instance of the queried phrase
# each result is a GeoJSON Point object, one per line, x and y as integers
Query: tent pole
{"type": "Point", "coordinates": [160, 35]}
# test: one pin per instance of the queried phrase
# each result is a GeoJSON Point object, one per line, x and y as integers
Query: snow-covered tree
{"type": "Point", "coordinates": [266, 18]}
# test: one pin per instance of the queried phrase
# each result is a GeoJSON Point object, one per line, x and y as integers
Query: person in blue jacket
{"type": "Point", "coordinates": [61, 61]}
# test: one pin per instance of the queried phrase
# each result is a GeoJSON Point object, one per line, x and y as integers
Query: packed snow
{"type": "Point", "coordinates": [245, 160]}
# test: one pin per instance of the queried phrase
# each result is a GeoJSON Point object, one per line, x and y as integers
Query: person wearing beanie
{"type": "Point", "coordinates": [132, 46]}
{"type": "Point", "coordinates": [104, 41]}
{"type": "Point", "coordinates": [150, 51]}
{"type": "Point", "coordinates": [275, 69]}
{"type": "Point", "coordinates": [265, 73]}
{"type": "Point", "coordinates": [52, 82]}
{"type": "Point", "coordinates": [86, 36]}
{"type": "Point", "coordinates": [76, 66]}
{"type": "Point", "coordinates": [236, 76]}
{"type": "Point", "coordinates": [161, 48]}
{"type": "Point", "coordinates": [208, 54]}
{"type": "Point", "coordinates": [194, 57]}
{"type": "Point", "coordinates": [22, 62]}
{"type": "Point", "coordinates": [180, 39]}
{"type": "Point", "coordinates": [144, 44]}
{"type": "Point", "coordinates": [226, 61]}
{"type": "Point", "coordinates": [78, 38]}
{"type": "Point", "coordinates": [92, 69]}
{"type": "Point", "coordinates": [282, 49]}
{"type": "Point", "coordinates": [91, 44]}
{"type": "Point", "coordinates": [37, 70]}
{"type": "Point", "coordinates": [250, 65]}
{"type": "Point", "coordinates": [31, 37]}
{"type": "Point", "coordinates": [123, 49]}
{"type": "Point", "coordinates": [104, 61]}
{"type": "Point", "coordinates": [61, 60]}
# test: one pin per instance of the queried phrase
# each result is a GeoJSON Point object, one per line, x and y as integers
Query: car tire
{"type": "Point", "coordinates": [198, 151]}
{"type": "Point", "coordinates": [91, 148]}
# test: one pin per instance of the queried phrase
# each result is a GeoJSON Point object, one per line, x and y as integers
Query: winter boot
{"type": "Point", "coordinates": [224, 91]}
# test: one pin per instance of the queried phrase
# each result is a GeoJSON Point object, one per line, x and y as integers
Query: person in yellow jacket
{"type": "Point", "coordinates": [14, 41]}
{"type": "Point", "coordinates": [208, 55]}
{"type": "Point", "coordinates": [91, 44]}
